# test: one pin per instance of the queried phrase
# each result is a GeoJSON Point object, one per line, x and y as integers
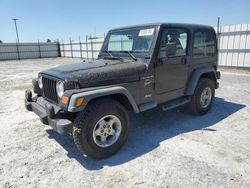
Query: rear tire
{"type": "Point", "coordinates": [101, 129]}
{"type": "Point", "coordinates": [202, 98]}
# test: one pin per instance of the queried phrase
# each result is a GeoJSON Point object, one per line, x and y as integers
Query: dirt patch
{"type": "Point", "coordinates": [164, 149]}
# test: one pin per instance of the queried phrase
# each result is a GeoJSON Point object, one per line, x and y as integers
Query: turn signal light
{"type": "Point", "coordinates": [64, 100]}
{"type": "Point", "coordinates": [79, 101]}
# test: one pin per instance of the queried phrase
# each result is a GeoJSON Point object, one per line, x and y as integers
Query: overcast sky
{"type": "Point", "coordinates": [63, 19]}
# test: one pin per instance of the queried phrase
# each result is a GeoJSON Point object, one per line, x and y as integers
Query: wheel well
{"type": "Point", "coordinates": [121, 98]}
{"type": "Point", "coordinates": [209, 75]}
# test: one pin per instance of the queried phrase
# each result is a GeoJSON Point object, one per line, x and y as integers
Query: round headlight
{"type": "Point", "coordinates": [40, 83]}
{"type": "Point", "coordinates": [60, 88]}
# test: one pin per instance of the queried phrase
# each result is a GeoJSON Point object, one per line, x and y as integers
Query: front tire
{"type": "Point", "coordinates": [203, 97]}
{"type": "Point", "coordinates": [101, 129]}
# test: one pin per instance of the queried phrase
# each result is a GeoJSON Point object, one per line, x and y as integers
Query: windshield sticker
{"type": "Point", "coordinates": [146, 32]}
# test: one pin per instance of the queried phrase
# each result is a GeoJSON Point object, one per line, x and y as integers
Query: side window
{"type": "Point", "coordinates": [204, 44]}
{"type": "Point", "coordinates": [177, 36]}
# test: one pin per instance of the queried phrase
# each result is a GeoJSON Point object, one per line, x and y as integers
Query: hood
{"type": "Point", "coordinates": [98, 72]}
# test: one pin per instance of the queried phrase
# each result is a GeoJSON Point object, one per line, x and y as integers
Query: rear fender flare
{"type": "Point", "coordinates": [194, 79]}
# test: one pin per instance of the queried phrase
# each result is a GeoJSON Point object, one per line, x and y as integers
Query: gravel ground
{"type": "Point", "coordinates": [164, 149]}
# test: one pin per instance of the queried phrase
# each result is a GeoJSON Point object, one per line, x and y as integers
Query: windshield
{"type": "Point", "coordinates": [134, 40]}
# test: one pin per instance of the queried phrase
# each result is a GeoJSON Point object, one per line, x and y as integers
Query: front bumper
{"type": "Point", "coordinates": [48, 113]}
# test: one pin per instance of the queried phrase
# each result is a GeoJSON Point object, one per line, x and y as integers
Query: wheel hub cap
{"type": "Point", "coordinates": [206, 97]}
{"type": "Point", "coordinates": [107, 131]}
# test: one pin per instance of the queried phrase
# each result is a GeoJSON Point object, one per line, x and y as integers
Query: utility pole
{"type": "Point", "coordinates": [17, 36]}
{"type": "Point", "coordinates": [218, 25]}
{"type": "Point", "coordinates": [95, 31]}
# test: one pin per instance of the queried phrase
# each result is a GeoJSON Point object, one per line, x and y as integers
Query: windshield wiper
{"type": "Point", "coordinates": [109, 52]}
{"type": "Point", "coordinates": [131, 55]}
{"type": "Point", "coordinates": [111, 56]}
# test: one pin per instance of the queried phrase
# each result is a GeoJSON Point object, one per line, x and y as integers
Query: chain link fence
{"type": "Point", "coordinates": [87, 49]}
{"type": "Point", "coordinates": [234, 45]}
{"type": "Point", "coordinates": [13, 51]}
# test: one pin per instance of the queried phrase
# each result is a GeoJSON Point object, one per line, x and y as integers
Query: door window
{"type": "Point", "coordinates": [177, 36]}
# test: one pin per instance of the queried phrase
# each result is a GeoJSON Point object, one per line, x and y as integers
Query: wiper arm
{"type": "Point", "coordinates": [109, 53]}
{"type": "Point", "coordinates": [131, 55]}
{"type": "Point", "coordinates": [111, 56]}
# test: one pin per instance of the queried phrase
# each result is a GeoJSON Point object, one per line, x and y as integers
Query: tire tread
{"type": "Point", "coordinates": [84, 117]}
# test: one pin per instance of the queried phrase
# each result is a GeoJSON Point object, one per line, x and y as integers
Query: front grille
{"type": "Point", "coordinates": [49, 89]}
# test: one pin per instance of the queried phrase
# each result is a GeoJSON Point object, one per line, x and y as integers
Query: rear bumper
{"type": "Point", "coordinates": [217, 85]}
{"type": "Point", "coordinates": [218, 74]}
{"type": "Point", "coordinates": [48, 113]}
{"type": "Point", "coordinates": [218, 77]}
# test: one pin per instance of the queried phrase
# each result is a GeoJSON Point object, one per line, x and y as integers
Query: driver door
{"type": "Point", "coordinates": [171, 72]}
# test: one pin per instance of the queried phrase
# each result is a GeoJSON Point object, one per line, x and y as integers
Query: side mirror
{"type": "Point", "coordinates": [171, 49]}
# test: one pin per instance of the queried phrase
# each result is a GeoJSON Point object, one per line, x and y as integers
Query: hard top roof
{"type": "Point", "coordinates": [187, 25]}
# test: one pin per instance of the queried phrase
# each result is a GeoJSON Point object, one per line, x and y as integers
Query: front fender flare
{"type": "Point", "coordinates": [89, 95]}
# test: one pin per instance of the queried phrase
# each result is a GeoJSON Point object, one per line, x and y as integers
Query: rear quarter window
{"type": "Point", "coordinates": [204, 44]}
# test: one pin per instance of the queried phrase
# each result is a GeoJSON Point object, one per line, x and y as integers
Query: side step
{"type": "Point", "coordinates": [175, 103]}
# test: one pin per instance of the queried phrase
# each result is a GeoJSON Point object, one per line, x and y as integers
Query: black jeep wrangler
{"type": "Point", "coordinates": [138, 68]}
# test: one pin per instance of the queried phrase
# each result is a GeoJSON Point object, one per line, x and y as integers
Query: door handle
{"type": "Point", "coordinates": [159, 62]}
